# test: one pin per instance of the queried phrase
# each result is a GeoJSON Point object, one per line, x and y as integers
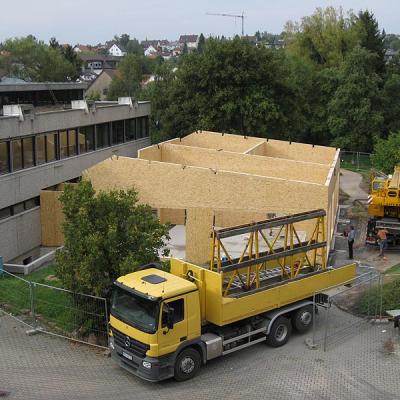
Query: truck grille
{"type": "Point", "coordinates": [128, 343]}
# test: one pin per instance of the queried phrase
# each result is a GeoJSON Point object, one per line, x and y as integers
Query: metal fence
{"type": "Point", "coordinates": [53, 310]}
{"type": "Point", "coordinates": [345, 311]}
{"type": "Point", "coordinates": [355, 160]}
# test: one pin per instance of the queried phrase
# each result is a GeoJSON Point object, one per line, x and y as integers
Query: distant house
{"type": "Point", "coordinates": [390, 54]}
{"type": "Point", "coordinates": [116, 51]}
{"type": "Point", "coordinates": [150, 51]}
{"type": "Point", "coordinates": [251, 39]}
{"type": "Point", "coordinates": [191, 41]}
{"type": "Point", "coordinates": [98, 62]}
{"type": "Point", "coordinates": [79, 48]}
{"type": "Point", "coordinates": [101, 84]}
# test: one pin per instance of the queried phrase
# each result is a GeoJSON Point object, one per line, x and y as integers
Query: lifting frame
{"type": "Point", "coordinates": [255, 269]}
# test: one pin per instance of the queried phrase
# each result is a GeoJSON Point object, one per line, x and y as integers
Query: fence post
{"type": "Point", "coordinates": [32, 295]}
{"type": "Point", "coordinates": [381, 280]}
{"type": "Point", "coordinates": [313, 321]}
{"type": "Point", "coordinates": [326, 323]}
{"type": "Point", "coordinates": [1, 265]}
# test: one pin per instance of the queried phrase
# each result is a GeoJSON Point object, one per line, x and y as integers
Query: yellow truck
{"type": "Point", "coordinates": [169, 324]}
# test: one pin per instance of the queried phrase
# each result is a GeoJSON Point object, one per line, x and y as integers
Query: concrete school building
{"type": "Point", "coordinates": [210, 178]}
{"type": "Point", "coordinates": [45, 142]}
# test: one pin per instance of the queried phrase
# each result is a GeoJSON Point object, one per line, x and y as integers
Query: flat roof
{"type": "Point", "coordinates": [41, 86]}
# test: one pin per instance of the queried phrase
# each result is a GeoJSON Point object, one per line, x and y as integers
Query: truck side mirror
{"type": "Point", "coordinates": [170, 318]}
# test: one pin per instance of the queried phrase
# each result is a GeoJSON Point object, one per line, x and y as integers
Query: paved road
{"type": "Point", "coordinates": [350, 184]}
{"type": "Point", "coordinates": [44, 367]}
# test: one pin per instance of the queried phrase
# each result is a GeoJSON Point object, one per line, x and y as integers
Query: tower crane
{"type": "Point", "coordinates": [232, 15]}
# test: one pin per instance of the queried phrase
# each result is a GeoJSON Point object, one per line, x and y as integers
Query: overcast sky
{"type": "Point", "coordinates": [93, 21]}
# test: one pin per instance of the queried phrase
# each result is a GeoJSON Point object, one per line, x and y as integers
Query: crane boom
{"type": "Point", "coordinates": [231, 15]}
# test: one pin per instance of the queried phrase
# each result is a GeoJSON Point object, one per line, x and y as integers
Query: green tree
{"type": "Point", "coordinates": [30, 59]}
{"type": "Point", "coordinates": [387, 153]}
{"type": "Point", "coordinates": [130, 76]}
{"type": "Point", "coordinates": [72, 57]}
{"type": "Point", "coordinates": [355, 110]}
{"type": "Point", "coordinates": [107, 234]}
{"type": "Point", "coordinates": [202, 43]}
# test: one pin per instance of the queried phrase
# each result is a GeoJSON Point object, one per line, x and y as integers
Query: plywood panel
{"type": "Point", "coordinates": [172, 216]}
{"type": "Point", "coordinates": [230, 161]}
{"type": "Point", "coordinates": [52, 218]}
{"type": "Point", "coordinates": [150, 153]}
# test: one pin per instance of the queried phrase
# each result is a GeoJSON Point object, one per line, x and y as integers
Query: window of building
{"type": "Point", "coordinates": [5, 213]}
{"type": "Point", "coordinates": [118, 132]}
{"type": "Point", "coordinates": [32, 203]}
{"type": "Point", "coordinates": [18, 208]}
{"type": "Point", "coordinates": [51, 146]}
{"type": "Point", "coordinates": [130, 129]}
{"type": "Point", "coordinates": [4, 158]}
{"type": "Point", "coordinates": [139, 129]}
{"type": "Point", "coordinates": [86, 139]}
{"type": "Point", "coordinates": [103, 135]}
{"type": "Point", "coordinates": [63, 144]}
{"type": "Point", "coordinates": [27, 152]}
{"type": "Point", "coordinates": [40, 149]}
{"type": "Point", "coordinates": [16, 154]}
{"type": "Point", "coordinates": [72, 147]}
{"type": "Point", "coordinates": [178, 306]}
{"type": "Point", "coordinates": [142, 127]}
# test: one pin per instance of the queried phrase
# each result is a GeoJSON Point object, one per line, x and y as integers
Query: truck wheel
{"type": "Point", "coordinates": [302, 319]}
{"type": "Point", "coordinates": [187, 364]}
{"type": "Point", "coordinates": [280, 332]}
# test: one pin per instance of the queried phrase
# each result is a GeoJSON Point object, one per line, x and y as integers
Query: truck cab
{"type": "Point", "coordinates": [153, 316]}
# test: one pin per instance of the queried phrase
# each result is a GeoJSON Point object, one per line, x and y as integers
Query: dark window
{"type": "Point", "coordinates": [146, 126]}
{"type": "Point", "coordinates": [17, 154]}
{"type": "Point", "coordinates": [130, 129]}
{"type": "Point", "coordinates": [18, 208]}
{"type": "Point", "coordinates": [72, 149]}
{"type": "Point", "coordinates": [27, 151]}
{"type": "Point", "coordinates": [4, 158]}
{"type": "Point", "coordinates": [51, 146]}
{"type": "Point", "coordinates": [32, 203]}
{"type": "Point", "coordinates": [102, 135]}
{"type": "Point", "coordinates": [118, 132]}
{"type": "Point", "coordinates": [5, 212]}
{"type": "Point", "coordinates": [63, 144]}
{"type": "Point", "coordinates": [139, 128]}
{"type": "Point", "coordinates": [179, 312]}
{"type": "Point", "coordinates": [86, 139]}
{"type": "Point", "coordinates": [40, 149]}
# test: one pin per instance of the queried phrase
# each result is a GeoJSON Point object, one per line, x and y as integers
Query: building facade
{"type": "Point", "coordinates": [41, 149]}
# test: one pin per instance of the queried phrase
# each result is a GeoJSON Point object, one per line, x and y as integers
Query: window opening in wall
{"type": "Point", "coordinates": [118, 132]}
{"type": "Point", "coordinates": [4, 158]}
{"type": "Point", "coordinates": [103, 135]}
{"type": "Point", "coordinates": [130, 129]}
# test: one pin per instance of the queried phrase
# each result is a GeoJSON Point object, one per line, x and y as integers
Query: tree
{"type": "Point", "coordinates": [107, 234]}
{"type": "Point", "coordinates": [202, 43]}
{"type": "Point", "coordinates": [33, 60]}
{"type": "Point", "coordinates": [355, 110]}
{"type": "Point", "coordinates": [130, 74]}
{"type": "Point", "coordinates": [371, 38]}
{"type": "Point", "coordinates": [71, 56]}
{"type": "Point", "coordinates": [387, 153]}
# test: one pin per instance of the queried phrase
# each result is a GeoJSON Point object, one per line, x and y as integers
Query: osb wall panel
{"type": "Point", "coordinates": [230, 161]}
{"type": "Point", "coordinates": [173, 216]}
{"type": "Point", "coordinates": [52, 218]}
{"type": "Point", "coordinates": [257, 150]}
{"type": "Point", "coordinates": [299, 151]}
{"type": "Point", "coordinates": [215, 140]}
{"type": "Point", "coordinates": [150, 153]}
{"type": "Point", "coordinates": [164, 185]}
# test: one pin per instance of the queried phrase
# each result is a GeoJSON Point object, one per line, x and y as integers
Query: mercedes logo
{"type": "Point", "coordinates": [127, 341]}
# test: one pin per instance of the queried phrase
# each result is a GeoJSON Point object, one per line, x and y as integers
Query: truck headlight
{"type": "Point", "coordinates": [146, 364]}
{"type": "Point", "coordinates": [111, 342]}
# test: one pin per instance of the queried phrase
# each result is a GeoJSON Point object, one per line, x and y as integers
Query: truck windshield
{"type": "Point", "coordinates": [135, 310]}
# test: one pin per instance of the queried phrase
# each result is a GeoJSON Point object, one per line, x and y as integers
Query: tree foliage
{"type": "Point", "coordinates": [107, 234]}
{"type": "Point", "coordinates": [387, 153]}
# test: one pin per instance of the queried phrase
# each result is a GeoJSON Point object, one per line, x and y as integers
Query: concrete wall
{"type": "Point", "coordinates": [20, 233]}
{"type": "Point", "coordinates": [25, 184]}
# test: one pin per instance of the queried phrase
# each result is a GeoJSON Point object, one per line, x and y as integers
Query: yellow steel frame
{"type": "Point", "coordinates": [290, 265]}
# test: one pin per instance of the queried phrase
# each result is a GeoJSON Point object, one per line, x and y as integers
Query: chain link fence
{"type": "Point", "coordinates": [355, 160]}
{"type": "Point", "coordinates": [345, 311]}
{"type": "Point", "coordinates": [54, 310]}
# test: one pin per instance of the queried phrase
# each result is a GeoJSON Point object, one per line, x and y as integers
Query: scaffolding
{"type": "Point", "coordinates": [286, 257]}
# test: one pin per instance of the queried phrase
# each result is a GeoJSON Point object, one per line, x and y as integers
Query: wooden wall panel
{"type": "Point", "coordinates": [173, 216]}
{"type": "Point", "coordinates": [52, 218]}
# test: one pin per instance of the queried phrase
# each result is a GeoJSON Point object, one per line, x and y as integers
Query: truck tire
{"type": "Point", "coordinates": [302, 318]}
{"type": "Point", "coordinates": [187, 364]}
{"type": "Point", "coordinates": [280, 332]}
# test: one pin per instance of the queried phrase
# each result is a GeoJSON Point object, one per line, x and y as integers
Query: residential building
{"type": "Point", "coordinates": [150, 51]}
{"type": "Point", "coordinates": [101, 84]}
{"type": "Point", "coordinates": [390, 54]}
{"type": "Point", "coordinates": [41, 147]}
{"type": "Point", "coordinates": [116, 51]}
{"type": "Point", "coordinates": [191, 41]}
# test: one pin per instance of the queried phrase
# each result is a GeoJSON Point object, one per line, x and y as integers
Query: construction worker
{"type": "Point", "coordinates": [382, 240]}
{"type": "Point", "coordinates": [350, 241]}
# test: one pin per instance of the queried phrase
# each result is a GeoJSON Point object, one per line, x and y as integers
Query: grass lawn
{"type": "Point", "coordinates": [394, 270]}
{"type": "Point", "coordinates": [56, 310]}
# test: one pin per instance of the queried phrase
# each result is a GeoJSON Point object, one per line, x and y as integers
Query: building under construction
{"type": "Point", "coordinates": [208, 179]}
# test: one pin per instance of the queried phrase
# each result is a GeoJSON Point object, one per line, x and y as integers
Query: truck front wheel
{"type": "Point", "coordinates": [280, 332]}
{"type": "Point", "coordinates": [187, 364]}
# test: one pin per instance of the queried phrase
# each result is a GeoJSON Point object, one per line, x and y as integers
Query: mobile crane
{"type": "Point", "coordinates": [384, 208]}
{"type": "Point", "coordinates": [168, 324]}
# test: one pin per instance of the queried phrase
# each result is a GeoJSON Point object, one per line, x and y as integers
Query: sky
{"type": "Point", "coordinates": [91, 22]}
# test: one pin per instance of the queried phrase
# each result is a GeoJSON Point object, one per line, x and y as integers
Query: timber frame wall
{"type": "Point", "coordinates": [229, 179]}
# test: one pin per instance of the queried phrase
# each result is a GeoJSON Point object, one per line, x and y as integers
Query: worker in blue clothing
{"type": "Point", "coordinates": [350, 241]}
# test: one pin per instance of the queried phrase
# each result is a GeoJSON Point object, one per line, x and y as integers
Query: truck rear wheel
{"type": "Point", "coordinates": [280, 332]}
{"type": "Point", "coordinates": [302, 319]}
{"type": "Point", "coordinates": [187, 364]}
